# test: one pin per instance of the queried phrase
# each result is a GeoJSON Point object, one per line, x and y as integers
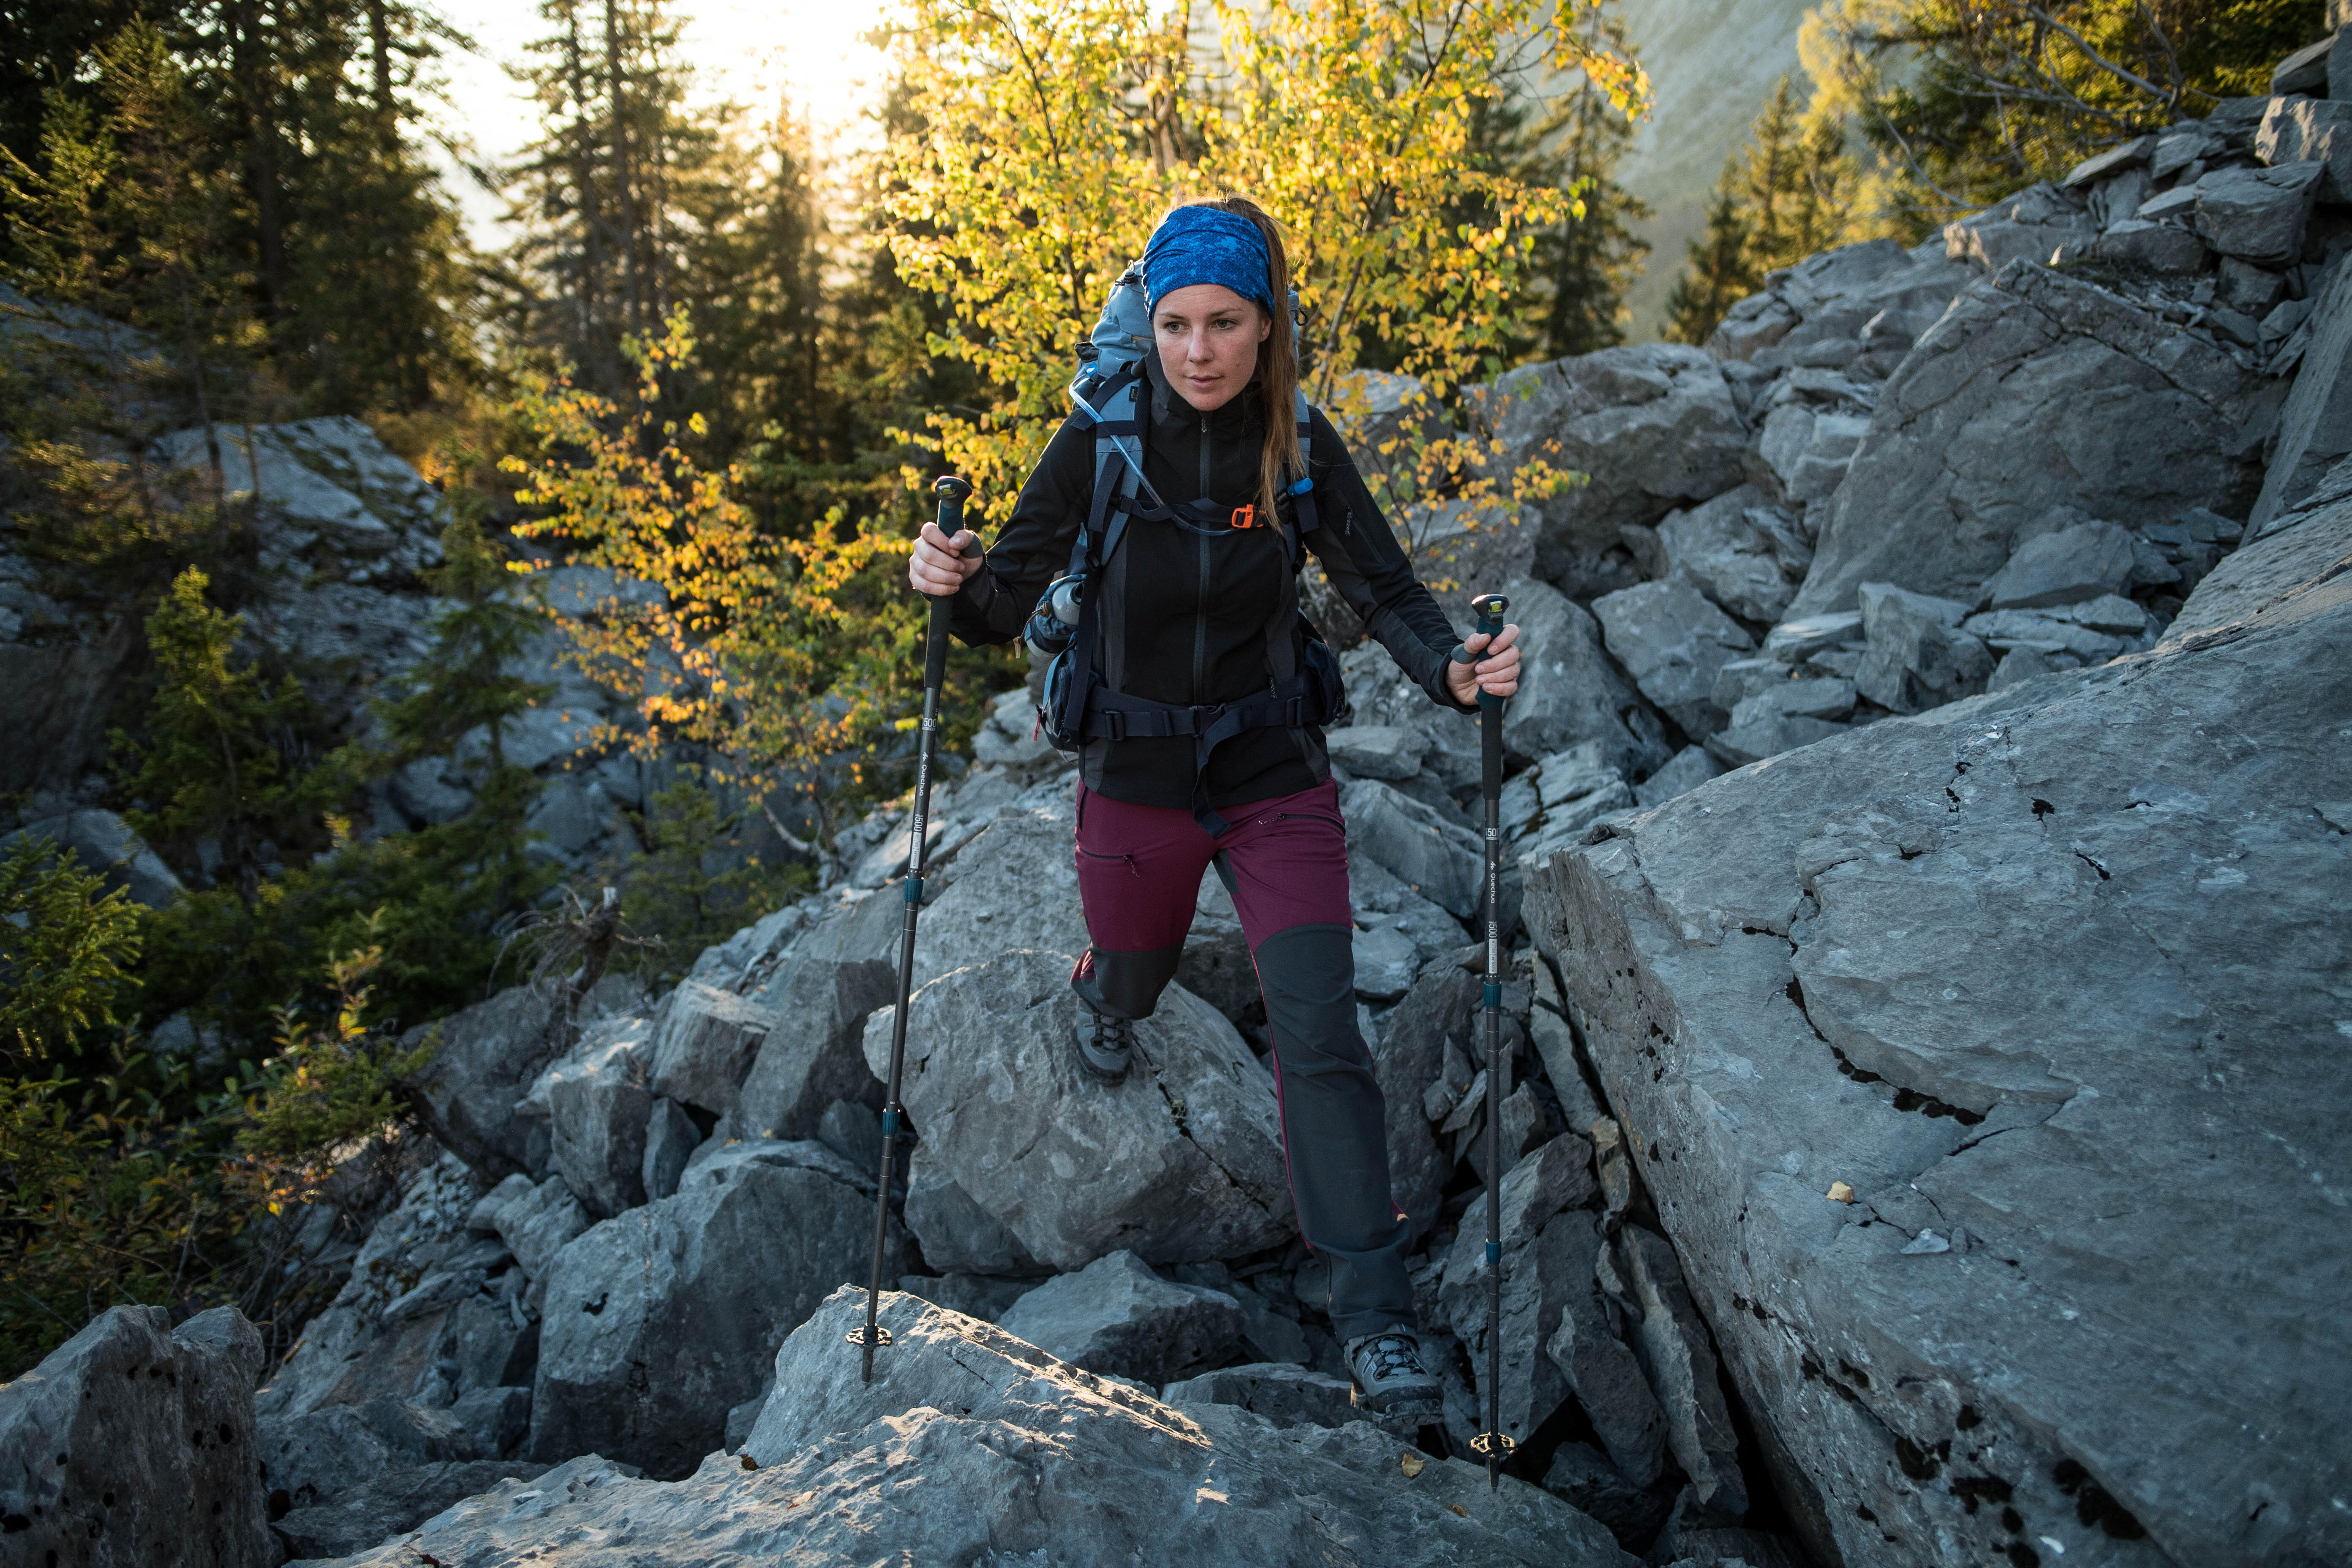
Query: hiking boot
{"type": "Point", "coordinates": [1105, 1044]}
{"type": "Point", "coordinates": [1390, 1378]}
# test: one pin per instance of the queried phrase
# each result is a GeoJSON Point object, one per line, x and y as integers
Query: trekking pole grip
{"type": "Point", "coordinates": [1490, 608]}
{"type": "Point", "coordinates": [950, 489]}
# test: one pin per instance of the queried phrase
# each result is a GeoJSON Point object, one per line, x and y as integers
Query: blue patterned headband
{"type": "Point", "coordinates": [1207, 244]}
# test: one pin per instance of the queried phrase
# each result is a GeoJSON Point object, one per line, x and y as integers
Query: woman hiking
{"type": "Point", "coordinates": [1194, 612]}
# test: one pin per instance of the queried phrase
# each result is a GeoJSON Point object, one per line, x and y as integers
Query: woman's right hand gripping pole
{"type": "Point", "coordinates": [939, 566]}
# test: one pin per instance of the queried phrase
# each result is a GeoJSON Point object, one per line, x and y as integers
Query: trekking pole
{"type": "Point", "coordinates": [1491, 1444]}
{"type": "Point", "coordinates": [951, 491]}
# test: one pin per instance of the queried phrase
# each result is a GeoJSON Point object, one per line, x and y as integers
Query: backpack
{"type": "Point", "coordinates": [1108, 394]}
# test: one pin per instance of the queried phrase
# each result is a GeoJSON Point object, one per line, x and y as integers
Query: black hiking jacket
{"type": "Point", "coordinates": [1189, 619]}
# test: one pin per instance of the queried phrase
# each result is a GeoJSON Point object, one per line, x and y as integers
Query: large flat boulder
{"type": "Point", "coordinates": [660, 1321]}
{"type": "Point", "coordinates": [1027, 1165]}
{"type": "Point", "coordinates": [973, 1446]}
{"type": "Point", "coordinates": [2036, 397]}
{"type": "Point", "coordinates": [1986, 1068]}
{"type": "Point", "coordinates": [133, 1446]}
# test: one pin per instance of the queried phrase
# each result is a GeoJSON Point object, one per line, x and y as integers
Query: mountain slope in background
{"type": "Point", "coordinates": [1712, 65]}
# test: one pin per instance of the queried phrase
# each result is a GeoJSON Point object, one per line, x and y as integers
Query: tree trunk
{"type": "Point", "coordinates": [248, 54]}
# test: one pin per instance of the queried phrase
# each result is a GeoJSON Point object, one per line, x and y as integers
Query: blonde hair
{"type": "Point", "coordinates": [1279, 461]}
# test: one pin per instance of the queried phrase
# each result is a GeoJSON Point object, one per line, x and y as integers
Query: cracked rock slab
{"type": "Point", "coordinates": [1028, 1164]}
{"type": "Point", "coordinates": [2034, 394]}
{"type": "Point", "coordinates": [972, 1447]}
{"type": "Point", "coordinates": [2056, 974]}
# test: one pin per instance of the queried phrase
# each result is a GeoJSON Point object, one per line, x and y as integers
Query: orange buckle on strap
{"type": "Point", "coordinates": [1245, 516]}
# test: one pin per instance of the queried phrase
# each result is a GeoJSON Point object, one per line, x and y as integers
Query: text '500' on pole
{"type": "Point", "coordinates": [1491, 1445]}
{"type": "Point", "coordinates": [952, 492]}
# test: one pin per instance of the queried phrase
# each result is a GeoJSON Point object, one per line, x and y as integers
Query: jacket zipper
{"type": "Point", "coordinates": [1201, 605]}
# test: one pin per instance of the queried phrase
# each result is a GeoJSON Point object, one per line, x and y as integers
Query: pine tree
{"type": "Point", "coordinates": [1596, 257]}
{"type": "Point", "coordinates": [1716, 274]}
{"type": "Point", "coordinates": [222, 772]}
{"type": "Point", "coordinates": [1787, 197]}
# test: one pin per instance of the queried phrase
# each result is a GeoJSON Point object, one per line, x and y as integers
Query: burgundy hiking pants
{"type": "Point", "coordinates": [1284, 861]}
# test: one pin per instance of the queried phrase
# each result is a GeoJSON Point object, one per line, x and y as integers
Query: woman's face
{"type": "Point", "coordinates": [1208, 342]}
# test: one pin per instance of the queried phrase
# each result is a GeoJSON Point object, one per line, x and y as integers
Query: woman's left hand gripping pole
{"type": "Point", "coordinates": [952, 492]}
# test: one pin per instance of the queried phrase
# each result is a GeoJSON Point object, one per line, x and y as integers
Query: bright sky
{"type": "Point", "coordinates": [810, 51]}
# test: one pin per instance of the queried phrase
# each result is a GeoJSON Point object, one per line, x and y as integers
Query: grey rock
{"type": "Point", "coordinates": [396, 1326]}
{"type": "Point", "coordinates": [1918, 656]}
{"type": "Point", "coordinates": [597, 1107]}
{"type": "Point", "coordinates": [1116, 1317]}
{"type": "Point", "coordinates": [311, 1459]}
{"type": "Point", "coordinates": [2036, 391]}
{"type": "Point", "coordinates": [1690, 768]}
{"type": "Point", "coordinates": [1875, 291]}
{"type": "Point", "coordinates": [2284, 574]}
{"type": "Point", "coordinates": [670, 1139]}
{"type": "Point", "coordinates": [1376, 751]}
{"type": "Point", "coordinates": [1740, 550]}
{"type": "Point", "coordinates": [1283, 1395]}
{"type": "Point", "coordinates": [1672, 1344]}
{"type": "Point", "coordinates": [1654, 425]}
{"type": "Point", "coordinates": [539, 1222]}
{"type": "Point", "coordinates": [1410, 1055]}
{"type": "Point", "coordinates": [2068, 1135]}
{"type": "Point", "coordinates": [2099, 167]}
{"type": "Point", "coordinates": [2307, 129]}
{"type": "Point", "coordinates": [1386, 963]}
{"type": "Point", "coordinates": [383, 1504]}
{"type": "Point", "coordinates": [1575, 788]}
{"type": "Point", "coordinates": [656, 1322]}
{"type": "Point", "coordinates": [1015, 886]}
{"type": "Point", "coordinates": [1026, 1161]}
{"type": "Point", "coordinates": [985, 1297]}
{"type": "Point", "coordinates": [1548, 1258]}
{"type": "Point", "coordinates": [1745, 678]}
{"type": "Point", "coordinates": [853, 1131]}
{"type": "Point", "coordinates": [107, 847]}
{"type": "Point", "coordinates": [1589, 1483]}
{"type": "Point", "coordinates": [2083, 560]}
{"type": "Point", "coordinates": [2315, 427]}
{"type": "Point", "coordinates": [1794, 642]}
{"type": "Point", "coordinates": [1823, 698]}
{"type": "Point", "coordinates": [2149, 245]}
{"type": "Point", "coordinates": [1757, 735]}
{"type": "Point", "coordinates": [2045, 631]}
{"type": "Point", "coordinates": [1809, 451]}
{"type": "Point", "coordinates": [1672, 642]}
{"type": "Point", "coordinates": [813, 1053]}
{"type": "Point", "coordinates": [1381, 898]}
{"type": "Point", "coordinates": [2257, 215]}
{"type": "Point", "coordinates": [133, 1444]}
{"type": "Point", "coordinates": [1435, 855]}
{"type": "Point", "coordinates": [2039, 225]}
{"type": "Point", "coordinates": [2305, 71]}
{"type": "Point", "coordinates": [1020, 1457]}
{"type": "Point", "coordinates": [2023, 663]}
{"type": "Point", "coordinates": [705, 1046]}
{"type": "Point", "coordinates": [484, 1057]}
{"type": "Point", "coordinates": [1571, 692]}
{"type": "Point", "coordinates": [2255, 289]}
{"type": "Point", "coordinates": [1587, 1348]}
{"type": "Point", "coordinates": [496, 1419]}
